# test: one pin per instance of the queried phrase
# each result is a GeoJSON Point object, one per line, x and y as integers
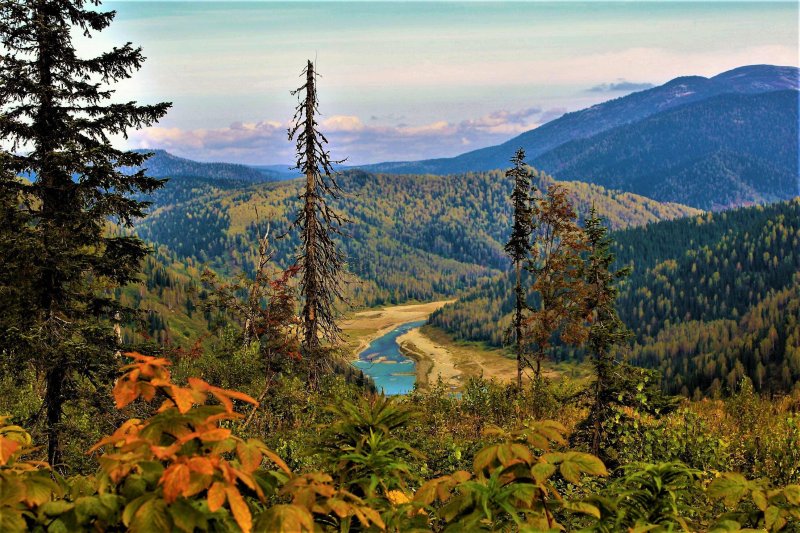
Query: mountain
{"type": "Point", "coordinates": [706, 299]}
{"type": "Point", "coordinates": [278, 172]}
{"type": "Point", "coordinates": [412, 237]}
{"type": "Point", "coordinates": [581, 124]}
{"type": "Point", "coordinates": [718, 166]}
{"type": "Point", "coordinates": [724, 151]}
{"type": "Point", "coordinates": [165, 165]}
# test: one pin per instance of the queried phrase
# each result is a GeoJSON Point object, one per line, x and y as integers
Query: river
{"type": "Point", "coordinates": [392, 372]}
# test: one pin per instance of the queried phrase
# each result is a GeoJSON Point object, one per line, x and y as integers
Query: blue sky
{"type": "Point", "coordinates": [416, 80]}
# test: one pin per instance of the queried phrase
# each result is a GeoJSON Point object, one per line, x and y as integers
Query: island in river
{"type": "Point", "coordinates": [396, 349]}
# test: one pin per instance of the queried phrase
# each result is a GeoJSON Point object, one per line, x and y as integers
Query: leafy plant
{"type": "Point", "coordinates": [511, 485]}
{"type": "Point", "coordinates": [765, 507]}
{"type": "Point", "coordinates": [650, 497]}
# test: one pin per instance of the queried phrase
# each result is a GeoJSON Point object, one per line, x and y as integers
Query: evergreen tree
{"type": "Point", "coordinates": [320, 261]}
{"type": "Point", "coordinates": [606, 330]}
{"type": "Point", "coordinates": [518, 247]}
{"type": "Point", "coordinates": [55, 122]}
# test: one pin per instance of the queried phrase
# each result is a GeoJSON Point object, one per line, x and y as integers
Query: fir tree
{"type": "Point", "coordinates": [320, 260]}
{"type": "Point", "coordinates": [518, 247]}
{"type": "Point", "coordinates": [56, 120]}
{"type": "Point", "coordinates": [606, 330]}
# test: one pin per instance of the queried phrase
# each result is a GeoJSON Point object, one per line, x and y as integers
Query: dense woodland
{"type": "Point", "coordinates": [198, 382]}
{"type": "Point", "coordinates": [408, 237]}
{"type": "Point", "coordinates": [691, 278]}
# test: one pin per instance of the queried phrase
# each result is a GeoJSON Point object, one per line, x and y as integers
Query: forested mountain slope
{"type": "Point", "coordinates": [169, 300]}
{"type": "Point", "coordinates": [699, 274]}
{"type": "Point", "coordinates": [725, 151]}
{"type": "Point", "coordinates": [411, 237]}
{"type": "Point", "coordinates": [162, 164]}
{"type": "Point", "coordinates": [752, 79]}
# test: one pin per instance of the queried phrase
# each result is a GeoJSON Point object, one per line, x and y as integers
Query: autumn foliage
{"type": "Point", "coordinates": [183, 468]}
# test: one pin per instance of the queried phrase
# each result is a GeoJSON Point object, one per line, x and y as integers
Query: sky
{"type": "Point", "coordinates": [416, 80]}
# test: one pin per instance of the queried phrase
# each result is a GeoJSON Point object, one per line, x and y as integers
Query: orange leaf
{"type": "Point", "coordinates": [7, 449]}
{"type": "Point", "coordinates": [241, 512]}
{"type": "Point", "coordinates": [216, 496]}
{"type": "Point", "coordinates": [215, 435]}
{"type": "Point", "coordinates": [275, 458]}
{"type": "Point", "coordinates": [147, 391]}
{"type": "Point", "coordinates": [124, 392]}
{"type": "Point", "coordinates": [175, 480]}
{"type": "Point", "coordinates": [202, 465]}
{"type": "Point", "coordinates": [183, 398]}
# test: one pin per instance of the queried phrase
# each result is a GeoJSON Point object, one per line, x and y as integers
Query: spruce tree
{"type": "Point", "coordinates": [56, 120]}
{"type": "Point", "coordinates": [606, 329]}
{"type": "Point", "coordinates": [320, 260]}
{"type": "Point", "coordinates": [518, 248]}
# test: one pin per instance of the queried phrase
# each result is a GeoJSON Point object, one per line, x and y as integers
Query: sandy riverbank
{"type": "Point", "coordinates": [365, 326]}
{"type": "Point", "coordinates": [433, 350]}
{"type": "Point", "coordinates": [438, 356]}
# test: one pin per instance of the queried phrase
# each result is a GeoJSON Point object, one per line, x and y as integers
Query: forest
{"type": "Point", "coordinates": [172, 356]}
{"type": "Point", "coordinates": [698, 287]}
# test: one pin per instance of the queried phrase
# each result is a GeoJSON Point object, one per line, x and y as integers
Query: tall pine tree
{"type": "Point", "coordinates": [320, 260]}
{"type": "Point", "coordinates": [56, 120]}
{"type": "Point", "coordinates": [606, 329]}
{"type": "Point", "coordinates": [518, 248]}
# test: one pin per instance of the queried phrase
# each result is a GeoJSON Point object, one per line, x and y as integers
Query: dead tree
{"type": "Point", "coordinates": [320, 261]}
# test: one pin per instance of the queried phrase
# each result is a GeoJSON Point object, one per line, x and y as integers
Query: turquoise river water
{"type": "Point", "coordinates": [383, 361]}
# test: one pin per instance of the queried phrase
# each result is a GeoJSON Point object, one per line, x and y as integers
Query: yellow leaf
{"type": "Point", "coordinates": [284, 518]}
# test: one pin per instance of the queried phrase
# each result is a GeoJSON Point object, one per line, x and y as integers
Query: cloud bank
{"type": "Point", "coordinates": [266, 141]}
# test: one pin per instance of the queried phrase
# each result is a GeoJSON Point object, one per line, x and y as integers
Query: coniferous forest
{"type": "Point", "coordinates": [177, 338]}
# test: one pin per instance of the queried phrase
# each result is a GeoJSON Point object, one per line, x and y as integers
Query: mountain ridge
{"type": "Point", "coordinates": [750, 79]}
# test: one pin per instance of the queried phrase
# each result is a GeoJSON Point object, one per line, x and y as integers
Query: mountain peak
{"type": "Point", "coordinates": [760, 78]}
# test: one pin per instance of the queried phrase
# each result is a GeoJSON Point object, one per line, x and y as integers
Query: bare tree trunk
{"type": "Point", "coordinates": [596, 421]}
{"type": "Point", "coordinates": [53, 401]}
{"type": "Point", "coordinates": [311, 337]}
{"type": "Point", "coordinates": [518, 325]}
{"type": "Point", "coordinates": [48, 179]}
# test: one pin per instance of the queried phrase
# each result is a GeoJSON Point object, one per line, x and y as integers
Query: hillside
{"type": "Point", "coordinates": [689, 275]}
{"type": "Point", "coordinates": [727, 150]}
{"type": "Point", "coordinates": [162, 164]}
{"type": "Point", "coordinates": [412, 237]}
{"type": "Point", "coordinates": [753, 79]}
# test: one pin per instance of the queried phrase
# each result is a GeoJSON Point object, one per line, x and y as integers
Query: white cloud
{"type": "Point", "coordinates": [266, 141]}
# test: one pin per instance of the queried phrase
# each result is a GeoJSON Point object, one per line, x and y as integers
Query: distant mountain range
{"type": "Point", "coordinates": [162, 164]}
{"type": "Point", "coordinates": [709, 142]}
{"type": "Point", "coordinates": [728, 150]}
